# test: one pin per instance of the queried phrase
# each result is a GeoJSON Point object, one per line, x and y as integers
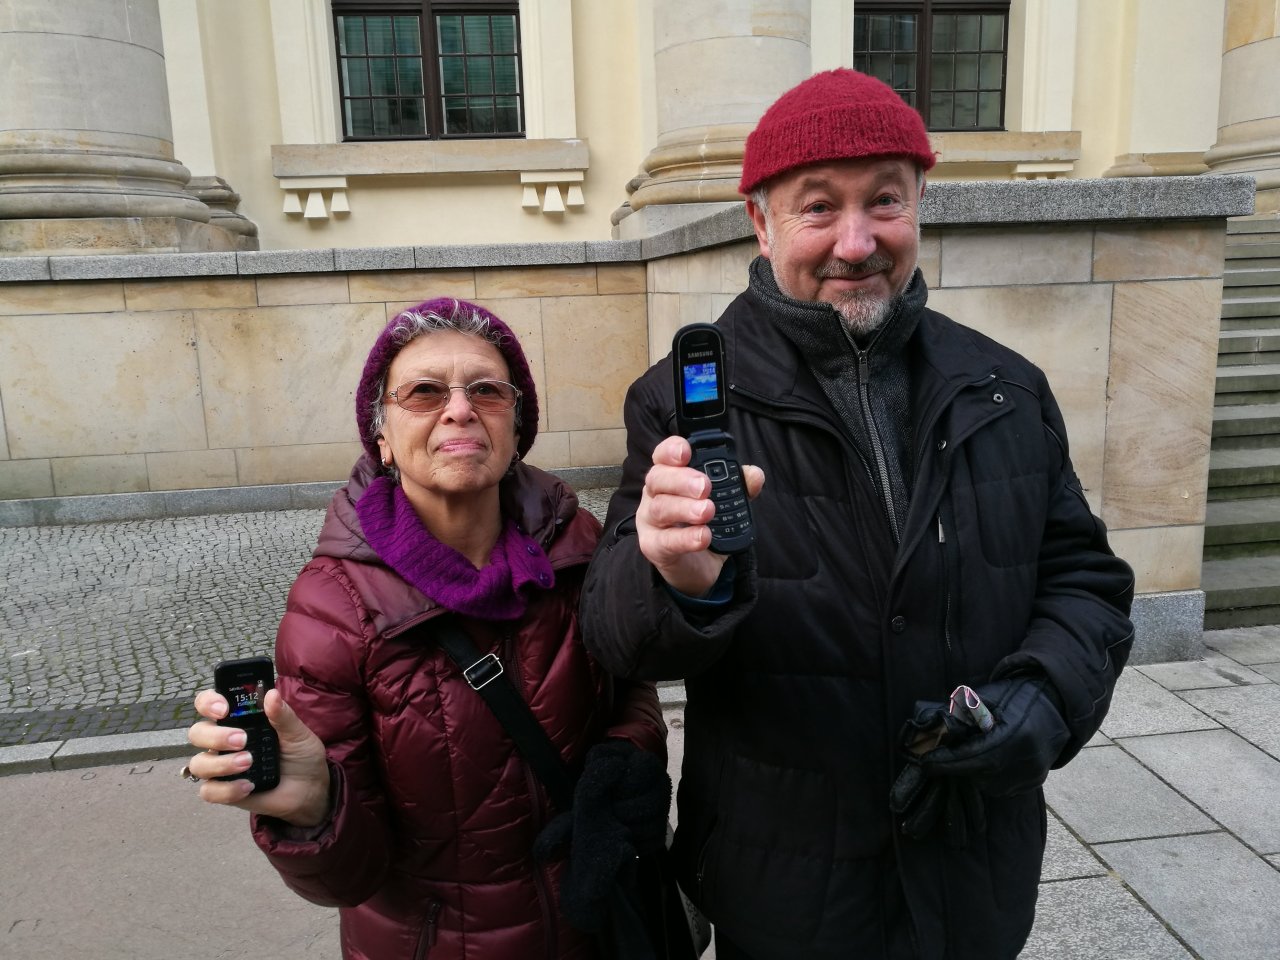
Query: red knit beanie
{"type": "Point", "coordinates": [836, 115]}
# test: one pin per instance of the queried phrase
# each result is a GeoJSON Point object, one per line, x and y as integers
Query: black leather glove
{"type": "Point", "coordinates": [951, 763]}
{"type": "Point", "coordinates": [619, 811]}
{"type": "Point", "coordinates": [1015, 756]}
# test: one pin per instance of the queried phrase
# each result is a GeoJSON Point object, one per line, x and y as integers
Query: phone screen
{"type": "Point", "coordinates": [700, 382]}
{"type": "Point", "coordinates": [246, 699]}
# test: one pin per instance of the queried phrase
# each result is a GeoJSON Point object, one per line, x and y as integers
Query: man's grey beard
{"type": "Point", "coordinates": [863, 312]}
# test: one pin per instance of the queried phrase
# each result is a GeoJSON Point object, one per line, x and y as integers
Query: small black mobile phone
{"type": "Point", "coordinates": [702, 416]}
{"type": "Point", "coordinates": [245, 684]}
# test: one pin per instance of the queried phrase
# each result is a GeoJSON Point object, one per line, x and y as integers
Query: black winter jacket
{"type": "Point", "coordinates": [797, 690]}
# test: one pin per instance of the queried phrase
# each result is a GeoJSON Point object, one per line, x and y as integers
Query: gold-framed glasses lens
{"type": "Point", "coordinates": [428, 396]}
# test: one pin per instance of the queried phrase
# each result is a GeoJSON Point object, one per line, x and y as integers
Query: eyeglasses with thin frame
{"type": "Point", "coordinates": [432, 396]}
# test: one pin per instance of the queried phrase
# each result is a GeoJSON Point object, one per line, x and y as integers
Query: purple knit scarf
{"type": "Point", "coordinates": [517, 567]}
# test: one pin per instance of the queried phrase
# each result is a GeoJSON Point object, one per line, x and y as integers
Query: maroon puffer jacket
{"type": "Point", "coordinates": [434, 815]}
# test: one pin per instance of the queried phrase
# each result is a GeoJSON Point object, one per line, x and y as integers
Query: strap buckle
{"type": "Point", "coordinates": [484, 671]}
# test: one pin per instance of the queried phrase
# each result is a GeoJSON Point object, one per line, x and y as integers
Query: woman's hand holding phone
{"type": "Point", "coordinates": [302, 796]}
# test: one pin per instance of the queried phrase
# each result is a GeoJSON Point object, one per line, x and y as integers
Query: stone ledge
{"type": "Point", "coordinates": [143, 266]}
{"type": "Point", "coordinates": [1168, 627]}
{"type": "Point", "coordinates": [425, 157]}
{"type": "Point", "coordinates": [121, 748]}
{"type": "Point", "coordinates": [947, 203]}
{"type": "Point", "coordinates": [160, 504]}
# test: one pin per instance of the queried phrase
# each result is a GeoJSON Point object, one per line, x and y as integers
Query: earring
{"type": "Point", "coordinates": [386, 462]}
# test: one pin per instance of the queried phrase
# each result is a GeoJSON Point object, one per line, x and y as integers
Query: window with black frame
{"type": "Point", "coordinates": [424, 70]}
{"type": "Point", "coordinates": [946, 58]}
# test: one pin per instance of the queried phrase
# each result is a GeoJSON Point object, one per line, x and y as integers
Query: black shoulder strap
{"type": "Point", "coordinates": [486, 675]}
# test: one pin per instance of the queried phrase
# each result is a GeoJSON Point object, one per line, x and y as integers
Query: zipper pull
{"type": "Point", "coordinates": [942, 536]}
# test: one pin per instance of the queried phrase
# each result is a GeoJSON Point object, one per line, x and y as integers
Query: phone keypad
{"type": "Point", "coordinates": [732, 516]}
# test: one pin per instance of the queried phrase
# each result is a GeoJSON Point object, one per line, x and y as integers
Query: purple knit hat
{"type": "Point", "coordinates": [385, 349]}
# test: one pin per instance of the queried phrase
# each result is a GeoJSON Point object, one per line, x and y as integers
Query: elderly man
{"type": "Point", "coordinates": [930, 618]}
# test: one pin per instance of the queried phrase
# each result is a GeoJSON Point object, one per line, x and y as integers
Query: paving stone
{"type": "Point", "coordinates": [1104, 794]}
{"type": "Point", "coordinates": [121, 748]}
{"type": "Point", "coordinates": [28, 758]}
{"type": "Point", "coordinates": [1214, 670]}
{"type": "Point", "coordinates": [1140, 706]}
{"type": "Point", "coordinates": [1249, 711]}
{"type": "Point", "coordinates": [1231, 780]}
{"type": "Point", "coordinates": [1065, 857]}
{"type": "Point", "coordinates": [1097, 919]}
{"type": "Point", "coordinates": [1269, 670]}
{"type": "Point", "coordinates": [1247, 645]}
{"type": "Point", "coordinates": [1220, 897]}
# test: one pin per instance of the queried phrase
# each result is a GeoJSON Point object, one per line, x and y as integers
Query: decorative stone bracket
{"type": "Point", "coordinates": [552, 182]}
{"type": "Point", "coordinates": [305, 196]}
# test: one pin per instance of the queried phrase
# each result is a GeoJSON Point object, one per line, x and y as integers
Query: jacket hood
{"type": "Point", "coordinates": [539, 502]}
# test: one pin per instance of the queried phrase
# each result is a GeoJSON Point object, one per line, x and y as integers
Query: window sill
{"type": "Point", "coordinates": [314, 175]}
{"type": "Point", "coordinates": [1035, 149]}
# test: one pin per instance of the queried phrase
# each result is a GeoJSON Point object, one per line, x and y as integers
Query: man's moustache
{"type": "Point", "coordinates": [843, 270]}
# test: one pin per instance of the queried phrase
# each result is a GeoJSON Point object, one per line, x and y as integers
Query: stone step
{"type": "Point", "coordinates": [1253, 287]}
{"type": "Point", "coordinates": [1260, 225]}
{"type": "Point", "coordinates": [1250, 306]}
{"type": "Point", "coordinates": [1242, 251]}
{"type": "Point", "coordinates": [1267, 276]}
{"type": "Point", "coordinates": [1248, 258]}
{"type": "Point", "coordinates": [1240, 425]}
{"type": "Point", "coordinates": [1235, 522]}
{"type": "Point", "coordinates": [1235, 471]}
{"type": "Point", "coordinates": [1250, 323]}
{"type": "Point", "coordinates": [1243, 591]}
{"type": "Point", "coordinates": [1255, 346]}
{"type": "Point", "coordinates": [1253, 378]}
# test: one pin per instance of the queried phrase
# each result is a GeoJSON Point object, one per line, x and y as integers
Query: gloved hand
{"type": "Point", "coordinates": [619, 811]}
{"type": "Point", "coordinates": [947, 779]}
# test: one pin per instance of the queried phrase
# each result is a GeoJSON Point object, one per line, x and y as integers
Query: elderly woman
{"type": "Point", "coordinates": [402, 799]}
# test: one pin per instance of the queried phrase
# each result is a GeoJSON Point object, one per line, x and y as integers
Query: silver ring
{"type": "Point", "coordinates": [185, 774]}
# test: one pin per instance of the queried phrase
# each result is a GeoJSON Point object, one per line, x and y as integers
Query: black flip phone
{"type": "Point", "coordinates": [702, 416]}
{"type": "Point", "coordinates": [245, 684]}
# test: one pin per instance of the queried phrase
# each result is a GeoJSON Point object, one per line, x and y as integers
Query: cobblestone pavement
{"type": "Point", "coordinates": [111, 627]}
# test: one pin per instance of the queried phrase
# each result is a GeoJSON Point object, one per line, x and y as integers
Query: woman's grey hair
{"type": "Point", "coordinates": [409, 326]}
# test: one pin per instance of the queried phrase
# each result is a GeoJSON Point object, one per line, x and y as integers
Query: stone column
{"type": "Point", "coordinates": [718, 64]}
{"type": "Point", "coordinates": [86, 152]}
{"type": "Point", "coordinates": [1249, 109]}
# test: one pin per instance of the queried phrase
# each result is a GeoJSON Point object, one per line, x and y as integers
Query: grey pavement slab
{"type": "Point", "coordinates": [1065, 857]}
{"type": "Point", "coordinates": [126, 863]}
{"type": "Point", "coordinates": [1247, 645]}
{"type": "Point", "coordinates": [1269, 670]}
{"type": "Point", "coordinates": [1223, 901]}
{"type": "Point", "coordinates": [1097, 919]}
{"type": "Point", "coordinates": [1228, 778]}
{"type": "Point", "coordinates": [1214, 670]}
{"type": "Point", "coordinates": [1140, 706]}
{"type": "Point", "coordinates": [1104, 794]}
{"type": "Point", "coordinates": [1252, 712]}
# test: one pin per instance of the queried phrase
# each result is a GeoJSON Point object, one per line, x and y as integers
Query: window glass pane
{"type": "Point", "coordinates": [453, 76]}
{"type": "Point", "coordinates": [359, 118]}
{"type": "Point", "coordinates": [940, 66]}
{"type": "Point", "coordinates": [966, 110]}
{"type": "Point", "coordinates": [351, 35]}
{"type": "Point", "coordinates": [455, 115]}
{"type": "Point", "coordinates": [408, 36]}
{"type": "Point", "coordinates": [507, 115]}
{"type": "Point", "coordinates": [989, 110]}
{"type": "Point", "coordinates": [909, 96]}
{"type": "Point", "coordinates": [355, 77]}
{"type": "Point", "coordinates": [476, 32]}
{"type": "Point", "coordinates": [859, 33]}
{"type": "Point", "coordinates": [479, 75]}
{"type": "Point", "coordinates": [967, 31]}
{"type": "Point", "coordinates": [882, 66]}
{"type": "Point", "coordinates": [966, 71]}
{"type": "Point", "coordinates": [881, 32]}
{"type": "Point", "coordinates": [904, 72]}
{"type": "Point", "coordinates": [382, 124]}
{"type": "Point", "coordinates": [409, 71]}
{"type": "Point", "coordinates": [412, 122]}
{"type": "Point", "coordinates": [939, 110]}
{"type": "Point", "coordinates": [382, 76]}
{"type": "Point", "coordinates": [992, 64]}
{"type": "Point", "coordinates": [904, 32]}
{"type": "Point", "coordinates": [505, 76]}
{"type": "Point", "coordinates": [379, 31]}
{"type": "Point", "coordinates": [992, 32]}
{"type": "Point", "coordinates": [450, 30]}
{"type": "Point", "coordinates": [944, 33]}
{"type": "Point", "coordinates": [862, 63]}
{"type": "Point", "coordinates": [481, 116]}
{"type": "Point", "coordinates": [504, 34]}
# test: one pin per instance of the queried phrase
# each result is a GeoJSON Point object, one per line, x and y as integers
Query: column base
{"type": "Point", "coordinates": [1182, 164]}
{"type": "Point", "coordinates": [114, 235]}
